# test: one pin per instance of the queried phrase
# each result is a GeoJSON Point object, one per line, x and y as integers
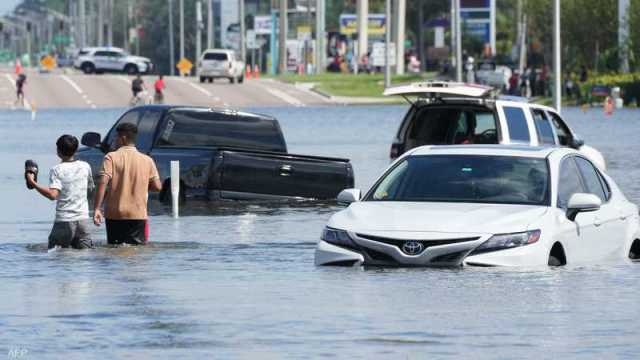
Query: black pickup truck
{"type": "Point", "coordinates": [224, 155]}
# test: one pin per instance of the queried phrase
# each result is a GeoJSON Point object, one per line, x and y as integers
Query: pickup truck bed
{"type": "Point", "coordinates": [226, 155]}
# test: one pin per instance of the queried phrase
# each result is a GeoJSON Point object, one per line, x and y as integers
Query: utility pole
{"type": "Point", "coordinates": [453, 33]}
{"type": "Point", "coordinates": [209, 24]}
{"type": "Point", "coordinates": [110, 24]}
{"type": "Point", "coordinates": [282, 41]}
{"type": "Point", "coordinates": [198, 31]}
{"type": "Point", "coordinates": [623, 35]}
{"type": "Point", "coordinates": [401, 12]}
{"type": "Point", "coordinates": [387, 41]}
{"type": "Point", "coordinates": [83, 23]}
{"type": "Point", "coordinates": [243, 32]}
{"type": "Point", "coordinates": [100, 23]}
{"type": "Point", "coordinates": [362, 14]}
{"type": "Point", "coordinates": [172, 56]}
{"type": "Point", "coordinates": [420, 40]}
{"type": "Point", "coordinates": [557, 72]}
{"type": "Point", "coordinates": [181, 29]}
{"type": "Point", "coordinates": [320, 36]}
{"type": "Point", "coordinates": [492, 26]}
{"type": "Point", "coordinates": [458, 42]}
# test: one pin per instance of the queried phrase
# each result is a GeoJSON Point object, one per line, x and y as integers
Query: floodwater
{"type": "Point", "coordinates": [238, 281]}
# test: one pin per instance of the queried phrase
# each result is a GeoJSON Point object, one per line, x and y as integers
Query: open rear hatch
{"type": "Point", "coordinates": [440, 89]}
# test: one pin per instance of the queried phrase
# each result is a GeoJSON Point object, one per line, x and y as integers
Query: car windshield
{"type": "Point", "coordinates": [466, 178]}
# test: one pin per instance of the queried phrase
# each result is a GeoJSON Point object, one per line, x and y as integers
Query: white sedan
{"type": "Point", "coordinates": [484, 205]}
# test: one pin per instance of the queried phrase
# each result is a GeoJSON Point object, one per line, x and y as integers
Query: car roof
{"type": "Point", "coordinates": [491, 150]}
{"type": "Point", "coordinates": [217, 51]}
{"type": "Point", "coordinates": [447, 88]}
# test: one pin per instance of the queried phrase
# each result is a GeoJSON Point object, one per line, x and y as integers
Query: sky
{"type": "Point", "coordinates": [8, 5]}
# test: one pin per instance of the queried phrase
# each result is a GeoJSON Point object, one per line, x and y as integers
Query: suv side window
{"type": "Point", "coordinates": [101, 53]}
{"type": "Point", "coordinates": [132, 117]}
{"type": "Point", "coordinates": [564, 135]}
{"type": "Point", "coordinates": [569, 182]}
{"type": "Point", "coordinates": [590, 177]}
{"type": "Point", "coordinates": [146, 129]}
{"type": "Point", "coordinates": [517, 124]}
{"type": "Point", "coordinates": [543, 127]}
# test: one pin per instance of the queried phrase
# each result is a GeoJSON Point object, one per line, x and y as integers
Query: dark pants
{"type": "Point", "coordinates": [73, 234]}
{"type": "Point", "coordinates": [133, 232]}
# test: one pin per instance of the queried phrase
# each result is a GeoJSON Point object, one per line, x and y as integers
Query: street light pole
{"type": "Point", "coordinates": [557, 80]}
{"type": "Point", "coordinates": [209, 24]}
{"type": "Point", "coordinates": [83, 23]}
{"type": "Point", "coordinates": [458, 41]}
{"type": "Point", "coordinates": [172, 56]}
{"type": "Point", "coordinates": [181, 29]}
{"type": "Point", "coordinates": [282, 52]}
{"type": "Point", "coordinates": [243, 34]}
{"type": "Point", "coordinates": [387, 41]}
{"type": "Point", "coordinates": [198, 32]}
{"type": "Point", "coordinates": [319, 36]}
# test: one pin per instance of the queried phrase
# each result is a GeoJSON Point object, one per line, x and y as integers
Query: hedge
{"type": "Point", "coordinates": [629, 85]}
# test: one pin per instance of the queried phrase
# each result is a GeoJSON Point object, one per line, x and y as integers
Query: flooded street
{"type": "Point", "coordinates": [238, 281]}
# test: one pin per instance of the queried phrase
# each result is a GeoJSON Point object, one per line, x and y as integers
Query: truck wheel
{"type": "Point", "coordinates": [202, 79]}
{"type": "Point", "coordinates": [88, 68]}
{"type": "Point", "coordinates": [131, 69]}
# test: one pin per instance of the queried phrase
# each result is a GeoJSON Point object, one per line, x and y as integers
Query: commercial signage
{"type": "Point", "coordinates": [377, 54]}
{"type": "Point", "coordinates": [349, 24]}
{"type": "Point", "coordinates": [262, 24]}
{"type": "Point", "coordinates": [476, 18]}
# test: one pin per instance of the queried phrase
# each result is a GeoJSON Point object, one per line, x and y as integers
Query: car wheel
{"type": "Point", "coordinates": [202, 79]}
{"type": "Point", "coordinates": [88, 68]}
{"type": "Point", "coordinates": [232, 80]}
{"type": "Point", "coordinates": [210, 80]}
{"type": "Point", "coordinates": [241, 80]}
{"type": "Point", "coordinates": [131, 69]}
{"type": "Point", "coordinates": [557, 256]}
{"type": "Point", "coordinates": [554, 261]}
{"type": "Point", "coordinates": [634, 252]}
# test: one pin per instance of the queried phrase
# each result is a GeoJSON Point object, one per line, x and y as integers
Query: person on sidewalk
{"type": "Point", "coordinates": [130, 176]}
{"type": "Point", "coordinates": [69, 183]}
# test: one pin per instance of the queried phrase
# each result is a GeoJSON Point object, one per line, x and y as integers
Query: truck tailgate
{"type": "Point", "coordinates": [256, 174]}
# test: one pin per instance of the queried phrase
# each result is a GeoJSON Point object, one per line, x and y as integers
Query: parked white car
{"type": "Point", "coordinates": [489, 73]}
{"type": "Point", "coordinates": [484, 205]}
{"type": "Point", "coordinates": [111, 59]}
{"type": "Point", "coordinates": [220, 63]}
{"type": "Point", "coordinates": [449, 113]}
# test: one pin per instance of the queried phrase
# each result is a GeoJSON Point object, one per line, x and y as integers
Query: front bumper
{"type": "Point", "coordinates": [376, 251]}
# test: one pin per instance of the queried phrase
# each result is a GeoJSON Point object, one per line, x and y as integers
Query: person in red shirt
{"type": "Point", "coordinates": [159, 87]}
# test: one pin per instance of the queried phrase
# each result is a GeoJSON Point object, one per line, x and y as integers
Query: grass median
{"type": "Point", "coordinates": [351, 85]}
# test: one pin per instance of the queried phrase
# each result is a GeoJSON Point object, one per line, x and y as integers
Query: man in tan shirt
{"type": "Point", "coordinates": [130, 175]}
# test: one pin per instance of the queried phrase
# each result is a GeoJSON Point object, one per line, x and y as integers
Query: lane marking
{"type": "Point", "coordinates": [72, 83]}
{"type": "Point", "coordinates": [195, 86]}
{"type": "Point", "coordinates": [285, 97]}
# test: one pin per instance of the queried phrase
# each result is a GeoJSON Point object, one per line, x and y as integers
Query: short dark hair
{"type": "Point", "coordinates": [67, 145]}
{"type": "Point", "coordinates": [128, 130]}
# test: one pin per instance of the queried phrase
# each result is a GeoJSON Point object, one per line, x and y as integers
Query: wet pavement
{"type": "Point", "coordinates": [238, 281]}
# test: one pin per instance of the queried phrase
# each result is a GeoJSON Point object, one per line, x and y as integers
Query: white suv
{"type": "Point", "coordinates": [111, 59]}
{"type": "Point", "coordinates": [448, 113]}
{"type": "Point", "coordinates": [220, 63]}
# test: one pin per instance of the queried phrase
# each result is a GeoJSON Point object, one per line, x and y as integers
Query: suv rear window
{"type": "Point", "coordinates": [449, 125]}
{"type": "Point", "coordinates": [214, 129]}
{"type": "Point", "coordinates": [216, 56]}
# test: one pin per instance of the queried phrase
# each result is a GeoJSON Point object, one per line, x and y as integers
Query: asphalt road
{"type": "Point", "coordinates": [71, 89]}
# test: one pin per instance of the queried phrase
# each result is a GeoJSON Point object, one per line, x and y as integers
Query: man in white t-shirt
{"type": "Point", "coordinates": [69, 183]}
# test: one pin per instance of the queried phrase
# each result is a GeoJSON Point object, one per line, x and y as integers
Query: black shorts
{"type": "Point", "coordinates": [75, 234]}
{"type": "Point", "coordinates": [133, 232]}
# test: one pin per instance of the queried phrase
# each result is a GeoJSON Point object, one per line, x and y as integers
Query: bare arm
{"type": "Point", "coordinates": [99, 198]}
{"type": "Point", "coordinates": [49, 193]}
{"type": "Point", "coordinates": [155, 185]}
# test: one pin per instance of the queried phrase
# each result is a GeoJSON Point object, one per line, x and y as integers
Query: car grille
{"type": "Point", "coordinates": [426, 243]}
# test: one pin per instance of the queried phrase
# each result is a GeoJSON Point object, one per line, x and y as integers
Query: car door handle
{"type": "Point", "coordinates": [597, 221]}
{"type": "Point", "coordinates": [285, 170]}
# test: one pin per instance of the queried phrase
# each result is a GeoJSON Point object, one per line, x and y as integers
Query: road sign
{"type": "Point", "coordinates": [251, 40]}
{"type": "Point", "coordinates": [184, 65]}
{"type": "Point", "coordinates": [304, 33]}
{"type": "Point", "coordinates": [377, 55]}
{"type": "Point", "coordinates": [262, 24]}
{"type": "Point", "coordinates": [48, 62]}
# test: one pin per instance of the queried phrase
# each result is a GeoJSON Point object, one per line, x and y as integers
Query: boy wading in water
{"type": "Point", "coordinates": [69, 183]}
{"type": "Point", "coordinates": [130, 175]}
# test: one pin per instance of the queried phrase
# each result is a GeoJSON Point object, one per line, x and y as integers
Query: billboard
{"type": "Point", "coordinates": [349, 24]}
{"type": "Point", "coordinates": [476, 18]}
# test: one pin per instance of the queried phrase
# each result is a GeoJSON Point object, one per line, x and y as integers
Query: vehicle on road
{"type": "Point", "coordinates": [220, 63]}
{"type": "Point", "coordinates": [491, 74]}
{"type": "Point", "coordinates": [224, 155]}
{"type": "Point", "coordinates": [484, 205]}
{"type": "Point", "coordinates": [111, 59]}
{"type": "Point", "coordinates": [448, 113]}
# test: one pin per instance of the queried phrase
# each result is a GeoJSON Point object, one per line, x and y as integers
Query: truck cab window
{"type": "Point", "coordinates": [543, 127]}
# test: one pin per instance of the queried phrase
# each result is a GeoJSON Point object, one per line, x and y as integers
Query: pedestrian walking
{"type": "Point", "coordinates": [21, 81]}
{"type": "Point", "coordinates": [129, 175]}
{"type": "Point", "coordinates": [159, 86]}
{"type": "Point", "coordinates": [69, 183]}
{"type": "Point", "coordinates": [137, 87]}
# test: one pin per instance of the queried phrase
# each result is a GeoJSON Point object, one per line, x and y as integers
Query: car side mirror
{"type": "Point", "coordinates": [349, 196]}
{"type": "Point", "coordinates": [91, 139]}
{"type": "Point", "coordinates": [576, 143]}
{"type": "Point", "coordinates": [581, 202]}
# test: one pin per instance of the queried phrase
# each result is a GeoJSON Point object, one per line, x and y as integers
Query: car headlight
{"type": "Point", "coordinates": [337, 237]}
{"type": "Point", "coordinates": [507, 241]}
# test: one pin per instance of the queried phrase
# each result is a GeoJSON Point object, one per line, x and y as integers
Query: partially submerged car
{"type": "Point", "coordinates": [484, 205]}
{"type": "Point", "coordinates": [447, 113]}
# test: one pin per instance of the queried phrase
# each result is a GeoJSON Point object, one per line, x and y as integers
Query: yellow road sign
{"type": "Point", "coordinates": [184, 65]}
{"type": "Point", "coordinates": [48, 62]}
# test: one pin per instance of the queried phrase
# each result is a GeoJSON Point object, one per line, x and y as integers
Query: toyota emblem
{"type": "Point", "coordinates": [412, 247]}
